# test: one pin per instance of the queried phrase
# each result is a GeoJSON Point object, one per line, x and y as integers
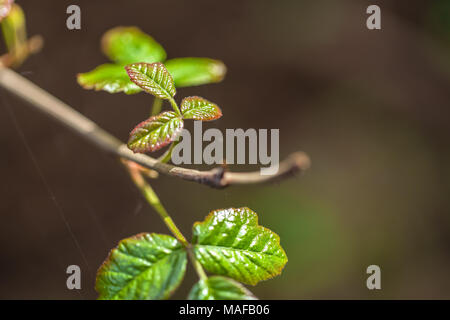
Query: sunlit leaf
{"type": "Point", "coordinates": [5, 8]}
{"type": "Point", "coordinates": [108, 77]}
{"type": "Point", "coordinates": [152, 78]}
{"type": "Point", "coordinates": [146, 266]}
{"type": "Point", "coordinates": [230, 242]}
{"type": "Point", "coordinates": [195, 71]}
{"type": "Point", "coordinates": [156, 132]}
{"type": "Point", "coordinates": [129, 45]}
{"type": "Point", "coordinates": [198, 108]}
{"type": "Point", "coordinates": [219, 288]}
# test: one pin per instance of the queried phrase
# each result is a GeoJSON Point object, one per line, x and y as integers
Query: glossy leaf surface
{"type": "Point", "coordinates": [156, 132]}
{"type": "Point", "coordinates": [129, 45]}
{"type": "Point", "coordinates": [219, 288]}
{"type": "Point", "coordinates": [146, 266]}
{"type": "Point", "coordinates": [152, 78]}
{"type": "Point", "coordinates": [198, 108]}
{"type": "Point", "coordinates": [195, 71]}
{"type": "Point", "coordinates": [108, 77]}
{"type": "Point", "coordinates": [230, 242]}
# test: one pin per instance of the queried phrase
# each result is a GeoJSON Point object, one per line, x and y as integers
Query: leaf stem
{"type": "Point", "coordinates": [168, 154]}
{"type": "Point", "coordinates": [197, 266]}
{"type": "Point", "coordinates": [157, 105]}
{"type": "Point", "coordinates": [175, 106]}
{"type": "Point", "coordinates": [134, 170]}
{"type": "Point", "coordinates": [153, 200]}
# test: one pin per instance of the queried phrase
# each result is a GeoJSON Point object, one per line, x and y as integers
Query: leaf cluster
{"type": "Point", "coordinates": [138, 67]}
{"type": "Point", "coordinates": [229, 243]}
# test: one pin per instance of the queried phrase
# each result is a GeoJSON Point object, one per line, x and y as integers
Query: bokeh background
{"type": "Point", "coordinates": [371, 108]}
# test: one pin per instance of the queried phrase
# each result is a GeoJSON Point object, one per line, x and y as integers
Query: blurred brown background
{"type": "Point", "coordinates": [371, 108]}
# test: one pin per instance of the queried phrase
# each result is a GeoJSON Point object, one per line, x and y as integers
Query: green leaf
{"type": "Point", "coordinates": [155, 132]}
{"type": "Point", "coordinates": [108, 77]}
{"type": "Point", "coordinates": [5, 8]}
{"type": "Point", "coordinates": [152, 78]}
{"type": "Point", "coordinates": [195, 71]}
{"type": "Point", "coordinates": [219, 288]}
{"type": "Point", "coordinates": [129, 45]}
{"type": "Point", "coordinates": [230, 242]}
{"type": "Point", "coordinates": [198, 108]}
{"type": "Point", "coordinates": [146, 266]}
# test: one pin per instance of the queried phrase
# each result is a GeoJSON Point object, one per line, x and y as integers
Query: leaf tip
{"type": "Point", "coordinates": [219, 70]}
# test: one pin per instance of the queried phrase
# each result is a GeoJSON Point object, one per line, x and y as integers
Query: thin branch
{"type": "Point", "coordinates": [63, 113]}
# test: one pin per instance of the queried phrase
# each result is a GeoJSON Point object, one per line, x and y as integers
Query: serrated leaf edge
{"type": "Point", "coordinates": [132, 77]}
{"type": "Point", "coordinates": [105, 264]}
{"type": "Point", "coordinates": [217, 108]}
{"type": "Point", "coordinates": [246, 292]}
{"type": "Point", "coordinates": [164, 142]}
{"type": "Point", "coordinates": [255, 217]}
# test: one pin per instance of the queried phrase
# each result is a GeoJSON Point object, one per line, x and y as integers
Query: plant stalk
{"type": "Point", "coordinates": [197, 266]}
{"type": "Point", "coordinates": [175, 106]}
{"type": "Point", "coordinates": [134, 170]}
{"type": "Point", "coordinates": [157, 105]}
{"type": "Point", "coordinates": [153, 200]}
{"type": "Point", "coordinates": [168, 154]}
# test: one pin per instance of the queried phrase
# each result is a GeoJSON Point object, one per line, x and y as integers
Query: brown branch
{"type": "Point", "coordinates": [216, 178]}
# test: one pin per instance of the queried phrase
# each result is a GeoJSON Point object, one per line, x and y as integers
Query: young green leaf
{"type": "Point", "coordinates": [155, 132]}
{"type": "Point", "coordinates": [146, 266]}
{"type": "Point", "coordinates": [152, 78]}
{"type": "Point", "coordinates": [219, 288]}
{"type": "Point", "coordinates": [230, 242]}
{"type": "Point", "coordinates": [129, 44]}
{"type": "Point", "coordinates": [5, 8]}
{"type": "Point", "coordinates": [108, 77]}
{"type": "Point", "coordinates": [195, 71]}
{"type": "Point", "coordinates": [198, 108]}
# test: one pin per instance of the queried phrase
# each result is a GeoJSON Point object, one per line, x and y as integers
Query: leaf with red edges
{"type": "Point", "coordinates": [152, 78]}
{"type": "Point", "coordinates": [198, 108]}
{"type": "Point", "coordinates": [155, 132]}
